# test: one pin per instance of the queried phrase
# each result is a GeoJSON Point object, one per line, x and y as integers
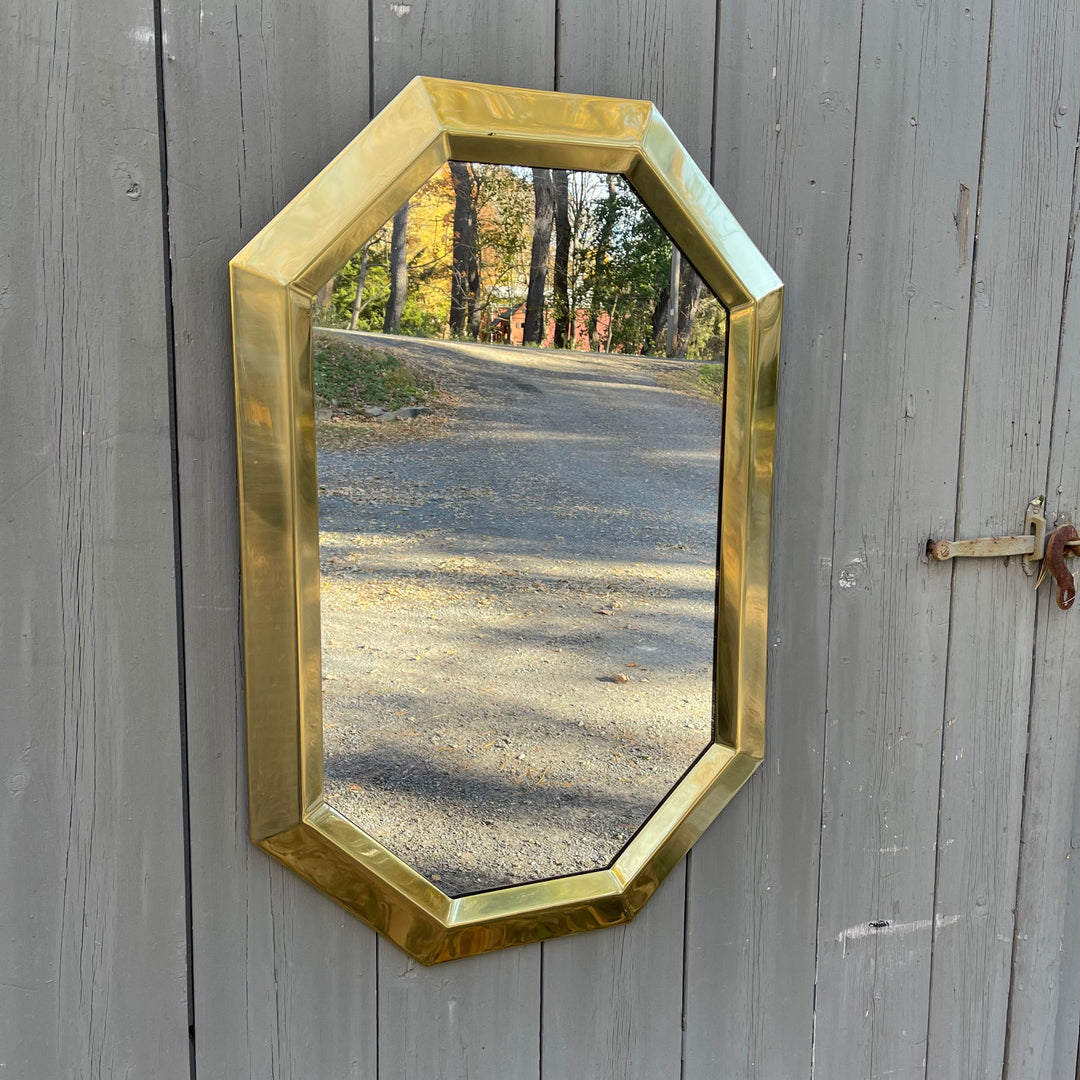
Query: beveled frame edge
{"type": "Point", "coordinates": [363, 877]}
{"type": "Point", "coordinates": [273, 280]}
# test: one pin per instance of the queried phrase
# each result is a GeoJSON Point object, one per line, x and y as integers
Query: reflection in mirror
{"type": "Point", "coordinates": [518, 390]}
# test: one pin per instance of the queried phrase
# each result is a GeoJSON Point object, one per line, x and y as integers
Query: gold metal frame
{"type": "Point", "coordinates": [274, 279]}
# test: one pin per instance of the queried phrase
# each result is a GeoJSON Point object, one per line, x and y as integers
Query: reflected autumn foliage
{"type": "Point", "coordinates": [543, 257]}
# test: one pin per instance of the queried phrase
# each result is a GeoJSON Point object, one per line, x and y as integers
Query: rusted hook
{"type": "Point", "coordinates": [1054, 561]}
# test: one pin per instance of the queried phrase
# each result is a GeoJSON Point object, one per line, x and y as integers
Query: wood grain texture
{"type": "Point", "coordinates": [1018, 272]}
{"type": "Point", "coordinates": [613, 999]}
{"type": "Point", "coordinates": [1067, 1021]}
{"type": "Point", "coordinates": [753, 877]}
{"type": "Point", "coordinates": [473, 1019]}
{"type": "Point", "coordinates": [481, 1017]}
{"type": "Point", "coordinates": [92, 952]}
{"type": "Point", "coordinates": [259, 97]}
{"type": "Point", "coordinates": [1044, 1008]}
{"type": "Point", "coordinates": [917, 144]}
{"type": "Point", "coordinates": [922, 770]}
{"type": "Point", "coordinates": [508, 44]}
{"type": "Point", "coordinates": [660, 50]}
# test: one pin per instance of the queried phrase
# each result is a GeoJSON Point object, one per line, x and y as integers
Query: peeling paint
{"type": "Point", "coordinates": [862, 930]}
{"type": "Point", "coordinates": [850, 574]}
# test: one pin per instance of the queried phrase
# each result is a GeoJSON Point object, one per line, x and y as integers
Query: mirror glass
{"type": "Point", "coordinates": [518, 418]}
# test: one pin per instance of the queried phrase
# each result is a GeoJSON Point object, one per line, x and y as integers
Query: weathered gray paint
{"type": "Point", "coordinates": [1018, 271]}
{"type": "Point", "coordinates": [754, 876]}
{"type": "Point", "coordinates": [916, 188]}
{"type": "Point", "coordinates": [612, 1003]}
{"type": "Point", "coordinates": [920, 100]}
{"type": "Point", "coordinates": [93, 966]}
{"type": "Point", "coordinates": [1051, 838]}
{"type": "Point", "coordinates": [512, 44]}
{"type": "Point", "coordinates": [661, 50]}
{"type": "Point", "coordinates": [1043, 1009]}
{"type": "Point", "coordinates": [483, 1014]}
{"type": "Point", "coordinates": [258, 97]}
{"type": "Point", "coordinates": [602, 1015]}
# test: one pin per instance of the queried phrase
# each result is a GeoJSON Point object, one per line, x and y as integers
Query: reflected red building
{"type": "Point", "coordinates": [508, 328]}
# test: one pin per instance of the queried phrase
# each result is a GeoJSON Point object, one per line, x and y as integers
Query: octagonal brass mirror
{"type": "Point", "coordinates": [303, 809]}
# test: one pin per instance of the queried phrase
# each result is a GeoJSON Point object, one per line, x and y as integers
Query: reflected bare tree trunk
{"type": "Point", "coordinates": [464, 270]}
{"type": "Point", "coordinates": [689, 298]}
{"type": "Point", "coordinates": [475, 307]}
{"type": "Point", "coordinates": [544, 190]}
{"type": "Point", "coordinates": [659, 319]}
{"type": "Point", "coordinates": [673, 303]}
{"type": "Point", "coordinates": [599, 299]}
{"type": "Point", "coordinates": [399, 272]}
{"type": "Point", "coordinates": [358, 299]}
{"type": "Point", "coordinates": [561, 272]}
{"type": "Point", "coordinates": [325, 296]}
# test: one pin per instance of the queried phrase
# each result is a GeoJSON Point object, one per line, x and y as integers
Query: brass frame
{"type": "Point", "coordinates": [273, 281]}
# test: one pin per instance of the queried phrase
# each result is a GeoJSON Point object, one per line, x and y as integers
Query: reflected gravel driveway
{"type": "Point", "coordinates": [518, 613]}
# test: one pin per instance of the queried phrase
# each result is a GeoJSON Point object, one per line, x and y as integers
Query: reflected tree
{"type": "Point", "coordinates": [358, 295]}
{"type": "Point", "coordinates": [689, 298]}
{"type": "Point", "coordinates": [544, 192]}
{"type": "Point", "coordinates": [600, 283]}
{"type": "Point", "coordinates": [560, 291]}
{"type": "Point", "coordinates": [399, 274]}
{"type": "Point", "coordinates": [578, 253]}
{"type": "Point", "coordinates": [465, 269]}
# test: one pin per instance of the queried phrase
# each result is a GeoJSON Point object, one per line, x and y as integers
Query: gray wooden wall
{"type": "Point", "coordinates": [910, 167]}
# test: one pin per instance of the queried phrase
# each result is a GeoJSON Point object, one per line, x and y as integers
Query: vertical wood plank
{"type": "Point", "coordinates": [1015, 339]}
{"type": "Point", "coordinates": [477, 1018]}
{"type": "Point", "coordinates": [922, 80]}
{"type": "Point", "coordinates": [259, 97]}
{"type": "Point", "coordinates": [662, 50]}
{"type": "Point", "coordinates": [473, 1018]}
{"type": "Point", "coordinates": [613, 998]}
{"type": "Point", "coordinates": [93, 964]}
{"type": "Point", "coordinates": [1067, 1025]}
{"type": "Point", "coordinates": [613, 1001]}
{"type": "Point", "coordinates": [1044, 1010]}
{"type": "Point", "coordinates": [785, 124]}
{"type": "Point", "coordinates": [477, 40]}
{"type": "Point", "coordinates": [1044, 1006]}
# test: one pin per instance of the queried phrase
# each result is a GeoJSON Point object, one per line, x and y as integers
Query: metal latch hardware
{"type": "Point", "coordinates": [1035, 544]}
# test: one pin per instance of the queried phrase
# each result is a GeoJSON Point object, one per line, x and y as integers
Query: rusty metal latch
{"type": "Point", "coordinates": [1063, 538]}
{"type": "Point", "coordinates": [1035, 544]}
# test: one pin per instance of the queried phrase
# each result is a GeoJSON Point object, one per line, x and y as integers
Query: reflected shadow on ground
{"type": "Point", "coordinates": [518, 616]}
